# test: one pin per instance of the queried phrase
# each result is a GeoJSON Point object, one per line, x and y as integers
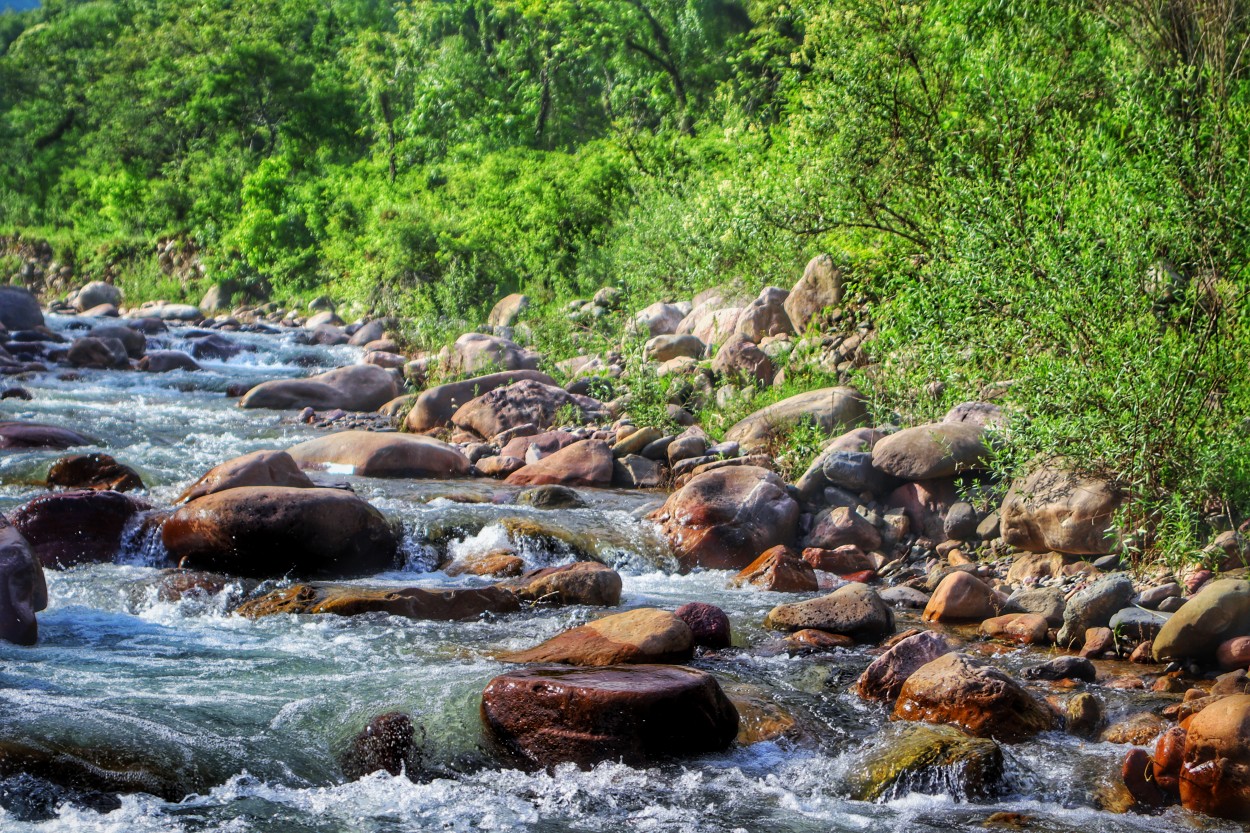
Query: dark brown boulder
{"type": "Point", "coordinates": [708, 623]}
{"type": "Point", "coordinates": [387, 743]}
{"type": "Point", "coordinates": [78, 527]}
{"type": "Point", "coordinates": [93, 471]}
{"type": "Point", "coordinates": [724, 518]}
{"type": "Point", "coordinates": [541, 717]}
{"type": "Point", "coordinates": [35, 435]}
{"type": "Point", "coordinates": [265, 532]}
{"type": "Point", "coordinates": [23, 590]}
{"type": "Point", "coordinates": [444, 605]}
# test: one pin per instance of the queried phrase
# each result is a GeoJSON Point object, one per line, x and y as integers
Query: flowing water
{"type": "Point", "coordinates": [249, 716]}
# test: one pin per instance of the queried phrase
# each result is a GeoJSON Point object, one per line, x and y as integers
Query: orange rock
{"type": "Point", "coordinates": [844, 559]}
{"type": "Point", "coordinates": [779, 569]}
{"type": "Point", "coordinates": [810, 641]}
{"type": "Point", "coordinates": [1215, 772]}
{"type": "Point", "coordinates": [646, 635]}
{"type": "Point", "coordinates": [961, 597]}
{"type": "Point", "coordinates": [1026, 628]}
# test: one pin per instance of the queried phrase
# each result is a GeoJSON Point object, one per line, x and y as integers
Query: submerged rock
{"type": "Point", "coordinates": [93, 471]}
{"type": "Point", "coordinates": [645, 635]}
{"type": "Point", "coordinates": [637, 714]}
{"type": "Point", "coordinates": [36, 435]}
{"type": "Point", "coordinates": [940, 760]}
{"type": "Point", "coordinates": [447, 604]}
{"type": "Point", "coordinates": [78, 527]}
{"type": "Point", "coordinates": [264, 532]}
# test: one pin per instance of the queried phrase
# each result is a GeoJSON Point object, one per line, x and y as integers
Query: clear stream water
{"type": "Point", "coordinates": [251, 715]}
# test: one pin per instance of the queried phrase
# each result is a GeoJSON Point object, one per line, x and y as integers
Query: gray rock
{"type": "Point", "coordinates": [1093, 607]}
{"type": "Point", "coordinates": [1137, 625]}
{"type": "Point", "coordinates": [19, 309]}
{"type": "Point", "coordinates": [1042, 601]}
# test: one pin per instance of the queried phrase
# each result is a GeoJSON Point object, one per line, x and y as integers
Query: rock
{"type": "Point", "coordinates": [659, 319]}
{"type": "Point", "coordinates": [19, 309]}
{"type": "Point", "coordinates": [925, 505]}
{"type": "Point", "coordinates": [500, 562]}
{"type": "Point", "coordinates": [387, 743]}
{"type": "Point", "coordinates": [903, 596]}
{"type": "Point", "coordinates": [645, 635]}
{"type": "Point", "coordinates": [636, 714]}
{"type": "Point", "coordinates": [1217, 613]}
{"type": "Point", "coordinates": [444, 604]}
{"type": "Point", "coordinates": [373, 454]}
{"type": "Point", "coordinates": [269, 531]}
{"type": "Point", "coordinates": [582, 583]}
{"type": "Point", "coordinates": [23, 589]}
{"type": "Point", "coordinates": [96, 293]}
{"type": "Point", "coordinates": [499, 466]}
{"type": "Point", "coordinates": [940, 449]}
{"type": "Point", "coordinates": [1215, 771]}
{"type": "Point", "coordinates": [820, 288]}
{"type": "Point", "coordinates": [217, 297]}
{"type": "Point", "coordinates": [585, 463]}
{"type": "Point", "coordinates": [368, 332]}
{"type": "Point", "coordinates": [520, 403]}
{"type": "Point", "coordinates": [688, 445]}
{"type": "Point", "coordinates": [840, 561]}
{"type": "Point", "coordinates": [165, 361]}
{"type": "Point", "coordinates": [668, 347]}
{"type": "Point", "coordinates": [93, 471]}
{"type": "Point", "coordinates": [98, 353]}
{"type": "Point", "coordinates": [550, 497]}
{"type": "Point", "coordinates": [962, 597]}
{"type": "Point", "coordinates": [1083, 715]}
{"type": "Point", "coordinates": [739, 358]}
{"type": "Point", "coordinates": [984, 414]}
{"type": "Point", "coordinates": [1031, 568]}
{"type": "Point", "coordinates": [1093, 607]}
{"type": "Point", "coordinates": [213, 347]}
{"type": "Point", "coordinates": [507, 310]}
{"type": "Point", "coordinates": [910, 757]}
{"type": "Point", "coordinates": [1053, 509]}
{"type": "Point", "coordinates": [765, 316]}
{"type": "Point", "coordinates": [760, 717]}
{"type": "Point", "coordinates": [1137, 772]}
{"type": "Point", "coordinates": [65, 529]}
{"type": "Point", "coordinates": [832, 410]}
{"type": "Point", "coordinates": [532, 447]}
{"type": "Point", "coordinates": [1098, 642]}
{"type": "Point", "coordinates": [360, 387]}
{"type": "Point", "coordinates": [475, 352]}
{"type": "Point", "coordinates": [1025, 628]}
{"type": "Point", "coordinates": [133, 341]}
{"type": "Point", "coordinates": [983, 701]}
{"type": "Point", "coordinates": [636, 472]}
{"type": "Point", "coordinates": [176, 312]}
{"type": "Point", "coordinates": [636, 441]}
{"type": "Point", "coordinates": [35, 435]}
{"type": "Point", "coordinates": [1046, 602]}
{"type": "Point", "coordinates": [853, 471]}
{"type": "Point", "coordinates": [708, 623]}
{"type": "Point", "coordinates": [1139, 729]}
{"type": "Point", "coordinates": [840, 526]}
{"type": "Point", "coordinates": [811, 641]}
{"type": "Point", "coordinates": [1136, 625]}
{"type": "Point", "coordinates": [1234, 653]}
{"type": "Point", "coordinates": [854, 610]}
{"type": "Point", "coordinates": [260, 468]}
{"type": "Point", "coordinates": [780, 570]}
{"type": "Point", "coordinates": [434, 407]}
{"type": "Point", "coordinates": [883, 679]}
{"type": "Point", "coordinates": [961, 521]}
{"type": "Point", "coordinates": [724, 518]}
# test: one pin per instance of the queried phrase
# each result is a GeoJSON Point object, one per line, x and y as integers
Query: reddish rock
{"type": "Point", "coordinates": [264, 532]}
{"type": "Point", "coordinates": [739, 358]}
{"type": "Point", "coordinates": [434, 407]}
{"type": "Point", "coordinates": [1138, 774]}
{"type": "Point", "coordinates": [1234, 653]}
{"type": "Point", "coordinates": [638, 714]}
{"type": "Point", "coordinates": [840, 526]}
{"type": "Point", "coordinates": [812, 641]}
{"type": "Point", "coordinates": [926, 452]}
{"type": "Point", "coordinates": [779, 569]}
{"type": "Point", "coordinates": [978, 698]}
{"type": "Point", "coordinates": [961, 597]}
{"type": "Point", "coordinates": [585, 463]}
{"type": "Point", "coordinates": [78, 527]}
{"type": "Point", "coordinates": [1169, 756]}
{"type": "Point", "coordinates": [1098, 641]}
{"type": "Point", "coordinates": [358, 387]}
{"type": "Point", "coordinates": [1215, 772]}
{"type": "Point", "coordinates": [723, 519]}
{"type": "Point", "coordinates": [1025, 628]}
{"type": "Point", "coordinates": [840, 561]}
{"type": "Point", "coordinates": [260, 468]}
{"type": "Point", "coordinates": [524, 402]}
{"type": "Point", "coordinates": [501, 562]}
{"type": "Point", "coordinates": [645, 635]}
{"type": "Point", "coordinates": [499, 466]}
{"type": "Point", "coordinates": [381, 454]}
{"type": "Point", "coordinates": [708, 623]}
{"type": "Point", "coordinates": [93, 471]}
{"type": "Point", "coordinates": [883, 679]}
{"type": "Point", "coordinates": [925, 503]}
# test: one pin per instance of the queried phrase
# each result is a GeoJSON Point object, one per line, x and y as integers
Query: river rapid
{"type": "Point", "coordinates": [251, 715]}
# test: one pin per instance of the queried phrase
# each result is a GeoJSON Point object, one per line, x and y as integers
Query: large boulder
{"type": "Point", "coordinates": [1093, 607]}
{"type": "Point", "coordinates": [1215, 770]}
{"type": "Point", "coordinates": [132, 340]}
{"type": "Point", "coordinates": [660, 319]}
{"type": "Point", "coordinates": [818, 289]}
{"type": "Point", "coordinates": [434, 407]}
{"type": "Point", "coordinates": [645, 635]}
{"type": "Point", "coordinates": [518, 404]}
{"type": "Point", "coordinates": [883, 679]}
{"type": "Point", "coordinates": [739, 358]}
{"type": "Point", "coordinates": [264, 532]}
{"type": "Point", "coordinates": [98, 353]}
{"type": "Point", "coordinates": [374, 454]}
{"type": "Point", "coordinates": [36, 435]}
{"type": "Point", "coordinates": [666, 347]}
{"type": "Point", "coordinates": [724, 518]}
{"type": "Point", "coordinates": [580, 583]}
{"type": "Point", "coordinates": [475, 352]}
{"type": "Point", "coordinates": [636, 714]}
{"type": "Point", "coordinates": [260, 468]}
{"type": "Point", "coordinates": [840, 526]}
{"type": "Point", "coordinates": [978, 698]}
{"type": "Point", "coordinates": [779, 569]}
{"type": "Point", "coordinates": [507, 309]}
{"type": "Point", "coordinates": [19, 309]}
{"type": "Point", "coordinates": [940, 449]}
{"type": "Point", "coordinates": [909, 757]}
{"type": "Point", "coordinates": [853, 610]}
{"type": "Point", "coordinates": [360, 387]}
{"type": "Point", "coordinates": [926, 504]}
{"type": "Point", "coordinates": [585, 463]}
{"type": "Point", "coordinates": [1218, 612]}
{"type": "Point", "coordinates": [23, 590]}
{"type": "Point", "coordinates": [1054, 509]}
{"type": "Point", "coordinates": [77, 527]}
{"type": "Point", "coordinates": [93, 471]}
{"type": "Point", "coordinates": [832, 410]}
{"type": "Point", "coordinates": [439, 604]}
{"type": "Point", "coordinates": [97, 293]}
{"type": "Point", "coordinates": [765, 316]}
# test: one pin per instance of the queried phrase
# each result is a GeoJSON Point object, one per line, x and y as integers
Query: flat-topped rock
{"type": "Point", "coordinates": [374, 454]}
{"type": "Point", "coordinates": [645, 635]}
{"type": "Point", "coordinates": [434, 407]}
{"type": "Point", "coordinates": [260, 468]}
{"type": "Point", "coordinates": [441, 604]}
{"type": "Point", "coordinates": [360, 387]}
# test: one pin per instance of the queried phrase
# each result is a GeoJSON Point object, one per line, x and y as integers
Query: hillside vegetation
{"type": "Point", "coordinates": [1044, 203]}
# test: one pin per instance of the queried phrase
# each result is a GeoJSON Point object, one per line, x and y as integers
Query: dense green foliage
{"type": "Point", "coordinates": [1046, 199]}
